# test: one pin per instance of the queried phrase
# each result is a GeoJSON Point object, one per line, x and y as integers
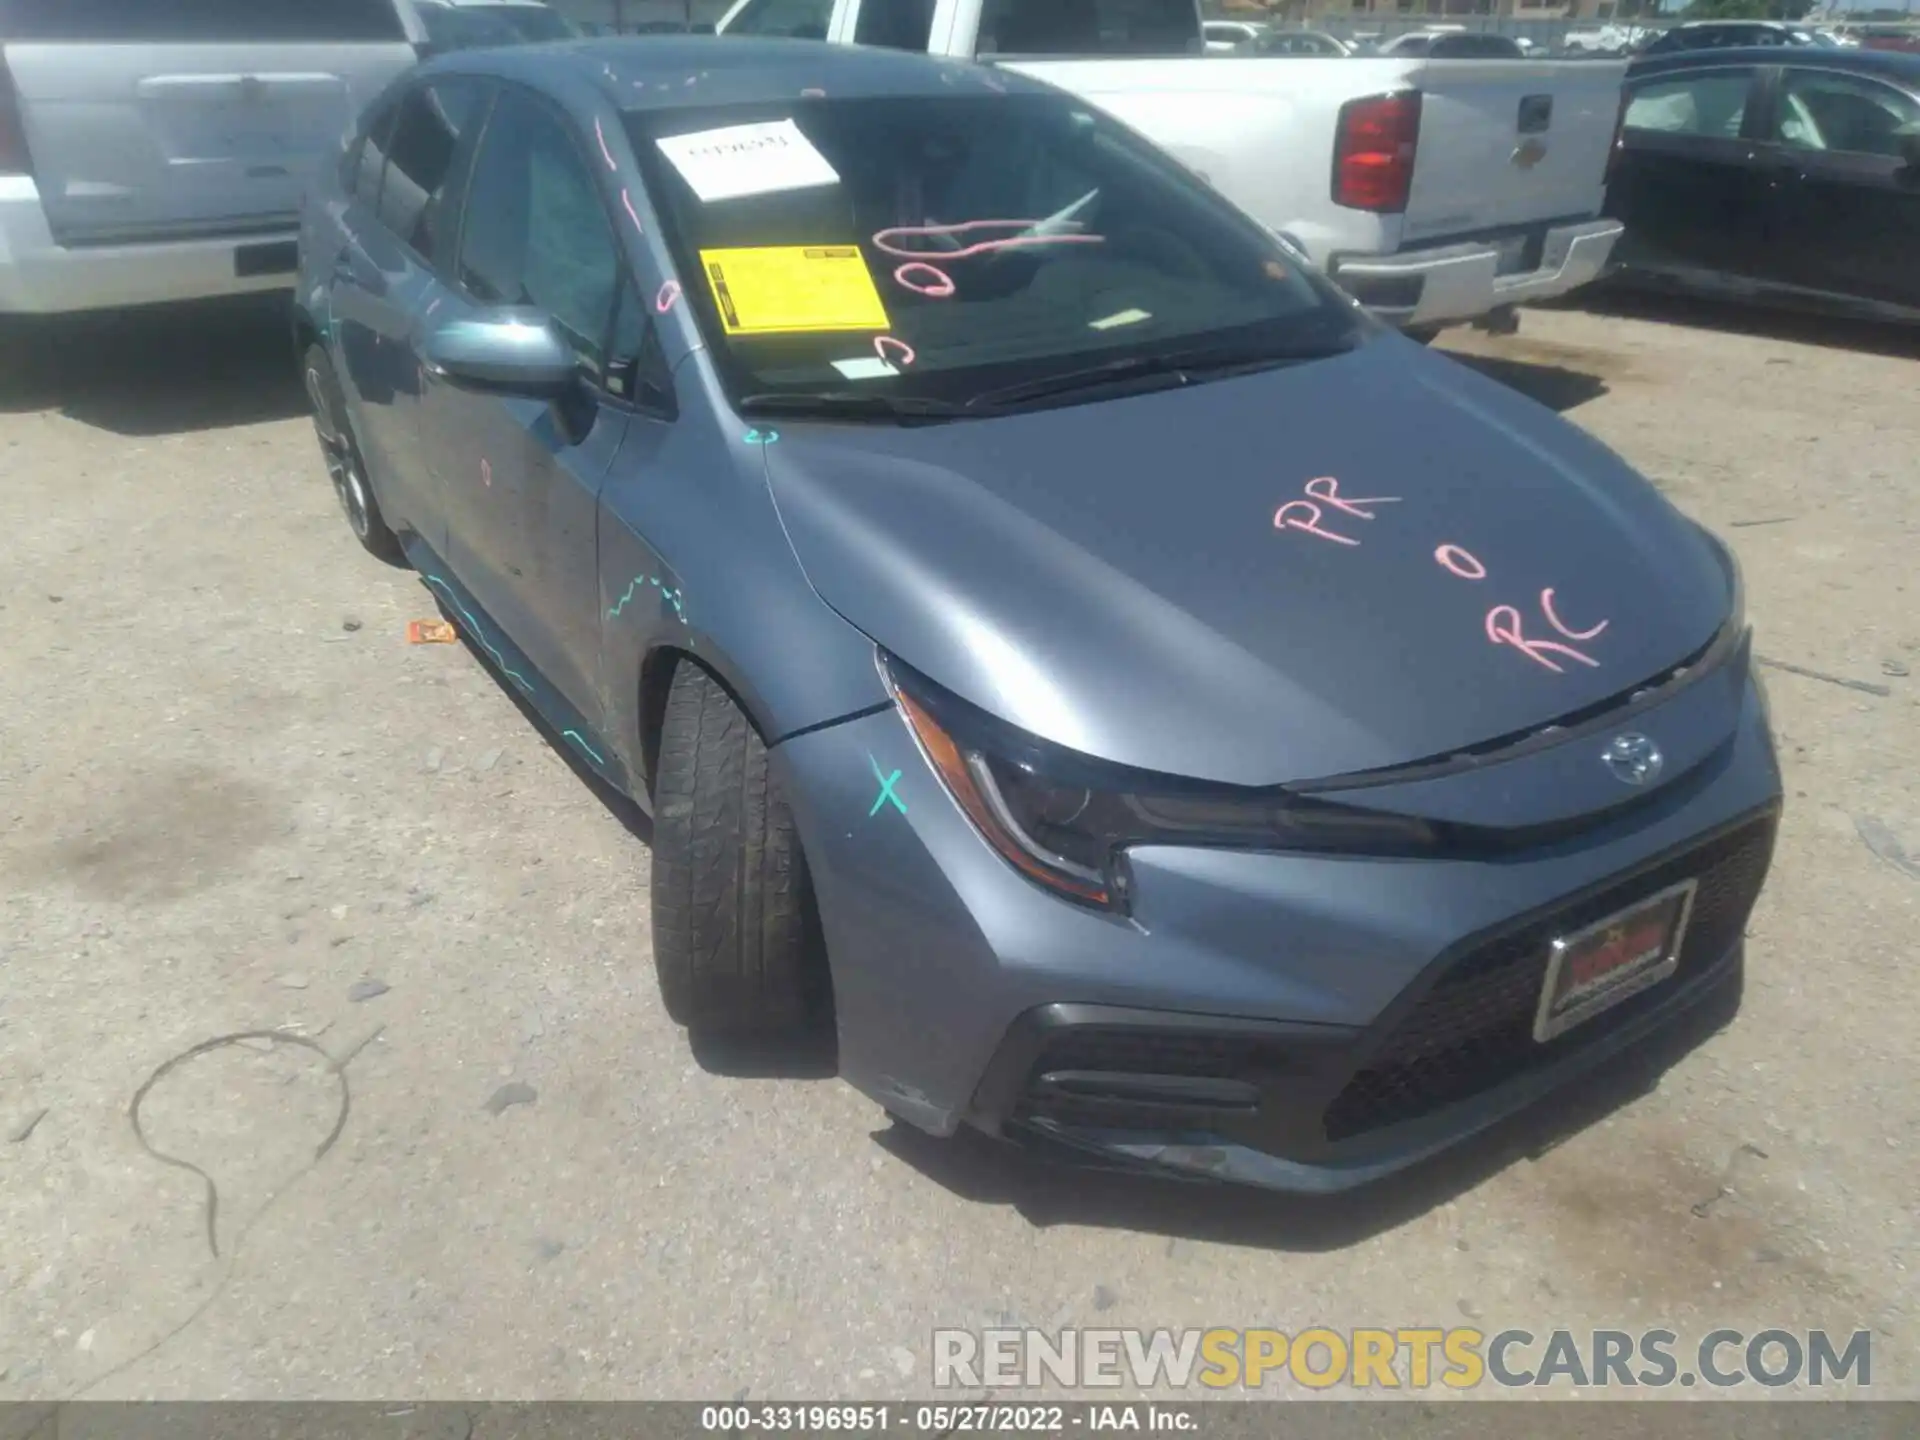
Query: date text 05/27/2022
{"type": "Point", "coordinates": [947, 1419]}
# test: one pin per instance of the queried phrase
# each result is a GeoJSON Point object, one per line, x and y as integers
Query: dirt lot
{"type": "Point", "coordinates": [233, 794]}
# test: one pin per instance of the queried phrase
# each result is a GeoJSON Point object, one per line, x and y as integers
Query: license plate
{"type": "Point", "coordinates": [1595, 968]}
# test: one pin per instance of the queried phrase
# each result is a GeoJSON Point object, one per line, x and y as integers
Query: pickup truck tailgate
{"type": "Point", "coordinates": [1510, 142]}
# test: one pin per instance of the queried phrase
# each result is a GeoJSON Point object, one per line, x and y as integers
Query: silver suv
{"type": "Point", "coordinates": [155, 150]}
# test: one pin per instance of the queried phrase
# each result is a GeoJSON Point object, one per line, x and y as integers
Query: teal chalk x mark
{"type": "Point", "coordinates": [479, 633]}
{"type": "Point", "coordinates": [586, 749]}
{"type": "Point", "coordinates": [761, 437]}
{"type": "Point", "coordinates": [667, 593]}
{"type": "Point", "coordinates": [887, 782]}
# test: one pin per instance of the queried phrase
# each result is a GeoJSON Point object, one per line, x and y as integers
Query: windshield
{"type": "Point", "coordinates": [470, 27]}
{"type": "Point", "coordinates": [939, 247]}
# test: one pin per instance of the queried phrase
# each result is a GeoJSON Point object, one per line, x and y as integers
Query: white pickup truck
{"type": "Point", "coordinates": [1436, 192]}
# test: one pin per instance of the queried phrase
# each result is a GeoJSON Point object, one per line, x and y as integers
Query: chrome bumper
{"type": "Point", "coordinates": [1457, 283]}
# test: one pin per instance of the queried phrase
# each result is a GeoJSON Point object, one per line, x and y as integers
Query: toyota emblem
{"type": "Point", "coordinates": [1633, 759]}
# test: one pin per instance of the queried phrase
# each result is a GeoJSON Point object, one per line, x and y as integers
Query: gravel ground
{"type": "Point", "coordinates": [237, 800]}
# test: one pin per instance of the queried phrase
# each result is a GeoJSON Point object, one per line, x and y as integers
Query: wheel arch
{"type": "Point", "coordinates": [657, 670]}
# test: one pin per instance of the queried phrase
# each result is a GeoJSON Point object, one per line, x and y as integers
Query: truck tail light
{"type": "Point", "coordinates": [14, 159]}
{"type": "Point", "coordinates": [1373, 148]}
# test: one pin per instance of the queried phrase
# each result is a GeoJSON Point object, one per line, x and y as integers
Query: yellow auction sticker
{"type": "Point", "coordinates": [776, 289]}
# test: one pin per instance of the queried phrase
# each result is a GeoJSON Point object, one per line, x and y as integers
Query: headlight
{"type": "Point", "coordinates": [1065, 820]}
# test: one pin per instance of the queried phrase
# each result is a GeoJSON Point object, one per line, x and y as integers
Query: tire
{"type": "Point", "coordinates": [1425, 334]}
{"type": "Point", "coordinates": [736, 935]}
{"type": "Point", "coordinates": [345, 467]}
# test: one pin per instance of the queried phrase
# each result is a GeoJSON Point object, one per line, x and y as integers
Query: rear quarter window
{"type": "Point", "coordinates": [200, 21]}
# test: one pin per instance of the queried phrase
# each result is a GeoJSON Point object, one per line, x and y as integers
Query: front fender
{"type": "Point", "coordinates": [695, 566]}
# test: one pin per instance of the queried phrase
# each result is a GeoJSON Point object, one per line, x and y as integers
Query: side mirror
{"type": "Point", "coordinates": [514, 351]}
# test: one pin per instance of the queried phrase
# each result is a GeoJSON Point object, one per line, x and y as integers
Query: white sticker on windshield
{"type": "Point", "coordinates": [747, 160]}
{"type": "Point", "coordinates": [864, 367]}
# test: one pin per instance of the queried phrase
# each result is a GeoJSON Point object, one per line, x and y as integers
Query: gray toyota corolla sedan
{"type": "Point", "coordinates": [1140, 703]}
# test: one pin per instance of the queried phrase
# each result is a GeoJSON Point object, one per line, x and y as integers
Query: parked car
{"type": "Point", "coordinates": [1224, 37]}
{"type": "Point", "coordinates": [1611, 40]}
{"type": "Point", "coordinates": [1782, 176]}
{"type": "Point", "coordinates": [1301, 42]}
{"type": "Point", "coordinates": [156, 150]}
{"type": "Point", "coordinates": [1435, 195]}
{"type": "Point", "coordinates": [1888, 37]}
{"type": "Point", "coordinates": [1455, 45]}
{"type": "Point", "coordinates": [466, 24]}
{"type": "Point", "coordinates": [1735, 34]}
{"type": "Point", "coordinates": [867, 464]}
{"type": "Point", "coordinates": [1229, 37]}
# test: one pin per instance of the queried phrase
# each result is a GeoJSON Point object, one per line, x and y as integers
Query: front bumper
{"type": "Point", "coordinates": [1311, 1110]}
{"type": "Point", "coordinates": [1453, 283]}
{"type": "Point", "coordinates": [40, 276]}
{"type": "Point", "coordinates": [1304, 1022]}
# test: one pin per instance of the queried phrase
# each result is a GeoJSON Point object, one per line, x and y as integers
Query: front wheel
{"type": "Point", "coordinates": [1424, 334]}
{"type": "Point", "coordinates": [345, 466]}
{"type": "Point", "coordinates": [736, 936]}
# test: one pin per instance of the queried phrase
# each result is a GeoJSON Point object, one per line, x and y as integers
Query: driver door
{"type": "Point", "coordinates": [521, 477]}
{"type": "Point", "coordinates": [1845, 201]}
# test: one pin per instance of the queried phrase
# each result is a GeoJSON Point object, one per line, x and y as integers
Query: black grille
{"type": "Point", "coordinates": [1474, 1028]}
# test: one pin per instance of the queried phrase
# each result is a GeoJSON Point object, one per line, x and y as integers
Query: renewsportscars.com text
{"type": "Point", "coordinates": [1412, 1358]}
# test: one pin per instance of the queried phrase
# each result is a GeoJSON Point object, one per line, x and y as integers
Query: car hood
{"type": "Point", "coordinates": [1110, 576]}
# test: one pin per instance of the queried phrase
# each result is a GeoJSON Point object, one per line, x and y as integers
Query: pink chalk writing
{"type": "Point", "coordinates": [632, 214]}
{"type": "Point", "coordinates": [669, 293]}
{"type": "Point", "coordinates": [1284, 519]}
{"type": "Point", "coordinates": [1504, 628]}
{"type": "Point", "coordinates": [1325, 489]}
{"type": "Point", "coordinates": [883, 239]}
{"type": "Point", "coordinates": [601, 136]}
{"type": "Point", "coordinates": [1546, 608]}
{"type": "Point", "coordinates": [1453, 558]}
{"type": "Point", "coordinates": [903, 352]}
{"type": "Point", "coordinates": [1329, 491]}
{"type": "Point", "coordinates": [1504, 625]}
{"type": "Point", "coordinates": [486, 473]}
{"type": "Point", "coordinates": [938, 285]}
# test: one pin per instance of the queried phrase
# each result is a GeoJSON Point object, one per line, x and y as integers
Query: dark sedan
{"type": "Point", "coordinates": [1062, 642]}
{"type": "Point", "coordinates": [1787, 177]}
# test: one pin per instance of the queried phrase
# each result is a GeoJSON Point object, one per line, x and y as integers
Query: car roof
{"type": "Point", "coordinates": [672, 72]}
{"type": "Point", "coordinates": [1887, 64]}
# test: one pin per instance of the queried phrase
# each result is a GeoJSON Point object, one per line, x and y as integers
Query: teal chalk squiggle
{"type": "Point", "coordinates": [480, 634]}
{"type": "Point", "coordinates": [667, 593]}
{"type": "Point", "coordinates": [591, 753]}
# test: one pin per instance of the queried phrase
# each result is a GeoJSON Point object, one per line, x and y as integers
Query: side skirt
{"type": "Point", "coordinates": [513, 668]}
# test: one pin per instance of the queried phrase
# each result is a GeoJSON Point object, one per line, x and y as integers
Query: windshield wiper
{"type": "Point", "coordinates": [1178, 366]}
{"type": "Point", "coordinates": [850, 405]}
